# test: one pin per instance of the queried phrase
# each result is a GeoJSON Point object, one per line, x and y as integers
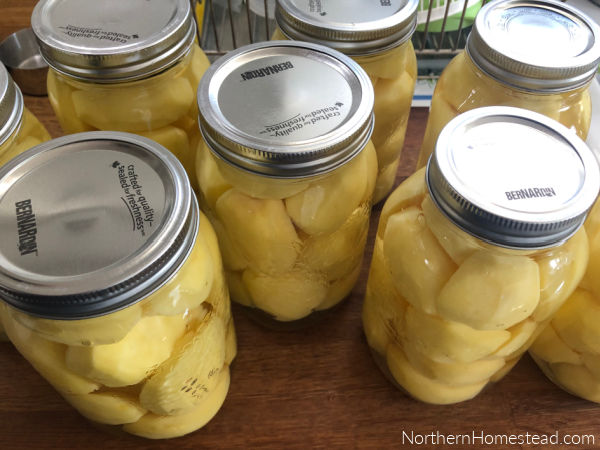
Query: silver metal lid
{"type": "Point", "coordinates": [355, 27]}
{"type": "Point", "coordinates": [535, 45]}
{"type": "Point", "coordinates": [113, 40]}
{"type": "Point", "coordinates": [513, 177]}
{"type": "Point", "coordinates": [286, 108]}
{"type": "Point", "coordinates": [91, 223]}
{"type": "Point", "coordinates": [11, 105]}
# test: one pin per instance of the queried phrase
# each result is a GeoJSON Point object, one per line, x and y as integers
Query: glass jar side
{"type": "Point", "coordinates": [30, 133]}
{"type": "Point", "coordinates": [393, 74]}
{"type": "Point", "coordinates": [132, 368]}
{"type": "Point", "coordinates": [568, 348]}
{"type": "Point", "coordinates": [463, 87]}
{"type": "Point", "coordinates": [161, 107]}
{"type": "Point", "coordinates": [445, 313]}
{"type": "Point", "coordinates": [291, 247]}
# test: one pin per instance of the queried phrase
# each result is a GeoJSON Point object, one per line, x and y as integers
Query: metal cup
{"type": "Point", "coordinates": [21, 55]}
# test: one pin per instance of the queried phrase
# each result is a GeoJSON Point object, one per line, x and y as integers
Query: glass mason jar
{"type": "Point", "coordinates": [376, 35]}
{"type": "Point", "coordinates": [568, 349]}
{"type": "Point", "coordinates": [115, 292]}
{"type": "Point", "coordinates": [474, 253]}
{"type": "Point", "coordinates": [539, 55]}
{"type": "Point", "coordinates": [19, 128]}
{"type": "Point", "coordinates": [124, 66]}
{"type": "Point", "coordinates": [286, 175]}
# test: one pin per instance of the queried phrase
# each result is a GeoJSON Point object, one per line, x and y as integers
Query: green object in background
{"type": "Point", "coordinates": [454, 14]}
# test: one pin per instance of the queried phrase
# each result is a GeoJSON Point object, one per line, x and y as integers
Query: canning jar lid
{"type": "Point", "coordinates": [113, 40]}
{"type": "Point", "coordinates": [354, 27]}
{"type": "Point", "coordinates": [11, 105]}
{"type": "Point", "coordinates": [91, 223]}
{"type": "Point", "coordinates": [535, 45]}
{"type": "Point", "coordinates": [513, 177]}
{"type": "Point", "coordinates": [286, 109]}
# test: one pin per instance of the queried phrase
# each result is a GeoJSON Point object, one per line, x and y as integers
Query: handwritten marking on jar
{"type": "Point", "coordinates": [142, 213]}
{"type": "Point", "coordinates": [26, 227]}
{"type": "Point", "coordinates": [266, 71]}
{"type": "Point", "coordinates": [526, 193]}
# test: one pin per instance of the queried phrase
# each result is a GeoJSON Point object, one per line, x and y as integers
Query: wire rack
{"type": "Point", "coordinates": [224, 25]}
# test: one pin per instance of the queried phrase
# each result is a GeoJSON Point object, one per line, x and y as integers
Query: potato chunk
{"type": "Point", "coordinates": [418, 264]}
{"type": "Point", "coordinates": [447, 341]}
{"type": "Point", "coordinates": [261, 229]}
{"type": "Point", "coordinates": [289, 296]}
{"type": "Point", "coordinates": [491, 291]}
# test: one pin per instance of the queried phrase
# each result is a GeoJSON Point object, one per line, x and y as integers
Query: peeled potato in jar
{"type": "Point", "coordinates": [392, 106]}
{"type": "Point", "coordinates": [137, 107]}
{"type": "Point", "coordinates": [419, 266]}
{"type": "Point", "coordinates": [237, 289]}
{"type": "Point", "coordinates": [328, 202]}
{"type": "Point", "coordinates": [32, 127]}
{"type": "Point", "coordinates": [261, 229]}
{"type": "Point", "coordinates": [592, 363]}
{"type": "Point", "coordinates": [578, 380]}
{"type": "Point", "coordinates": [552, 349]}
{"type": "Point", "coordinates": [154, 426]}
{"type": "Point", "coordinates": [561, 271]}
{"type": "Point", "coordinates": [448, 341]}
{"type": "Point", "coordinates": [101, 330]}
{"type": "Point", "coordinates": [335, 255]}
{"type": "Point", "coordinates": [176, 141]}
{"type": "Point", "coordinates": [382, 319]}
{"type": "Point", "coordinates": [372, 173]}
{"type": "Point", "coordinates": [212, 184]}
{"type": "Point", "coordinates": [48, 359]}
{"type": "Point", "coordinates": [106, 407]}
{"type": "Point", "coordinates": [386, 180]}
{"type": "Point", "coordinates": [60, 94]}
{"type": "Point", "coordinates": [230, 343]}
{"type": "Point", "coordinates": [340, 289]}
{"type": "Point", "coordinates": [424, 388]}
{"type": "Point", "coordinates": [191, 373]}
{"type": "Point", "coordinates": [410, 193]}
{"type": "Point", "coordinates": [134, 357]}
{"type": "Point", "coordinates": [189, 288]}
{"type": "Point", "coordinates": [458, 244]}
{"type": "Point", "coordinates": [592, 222]}
{"type": "Point", "coordinates": [491, 291]}
{"type": "Point", "coordinates": [198, 64]}
{"type": "Point", "coordinates": [591, 280]}
{"type": "Point", "coordinates": [287, 296]}
{"type": "Point", "coordinates": [17, 148]}
{"type": "Point", "coordinates": [390, 148]}
{"type": "Point", "coordinates": [577, 112]}
{"type": "Point", "coordinates": [576, 322]}
{"type": "Point", "coordinates": [453, 373]}
{"type": "Point", "coordinates": [464, 87]}
{"type": "Point", "coordinates": [440, 114]}
{"type": "Point", "coordinates": [383, 307]}
{"type": "Point", "coordinates": [390, 64]}
{"type": "Point", "coordinates": [508, 366]}
{"type": "Point", "coordinates": [260, 186]}
{"type": "Point", "coordinates": [218, 301]}
{"type": "Point", "coordinates": [233, 257]}
{"type": "Point", "coordinates": [520, 334]}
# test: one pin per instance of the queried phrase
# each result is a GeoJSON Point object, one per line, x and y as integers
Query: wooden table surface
{"type": "Point", "coordinates": [313, 388]}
